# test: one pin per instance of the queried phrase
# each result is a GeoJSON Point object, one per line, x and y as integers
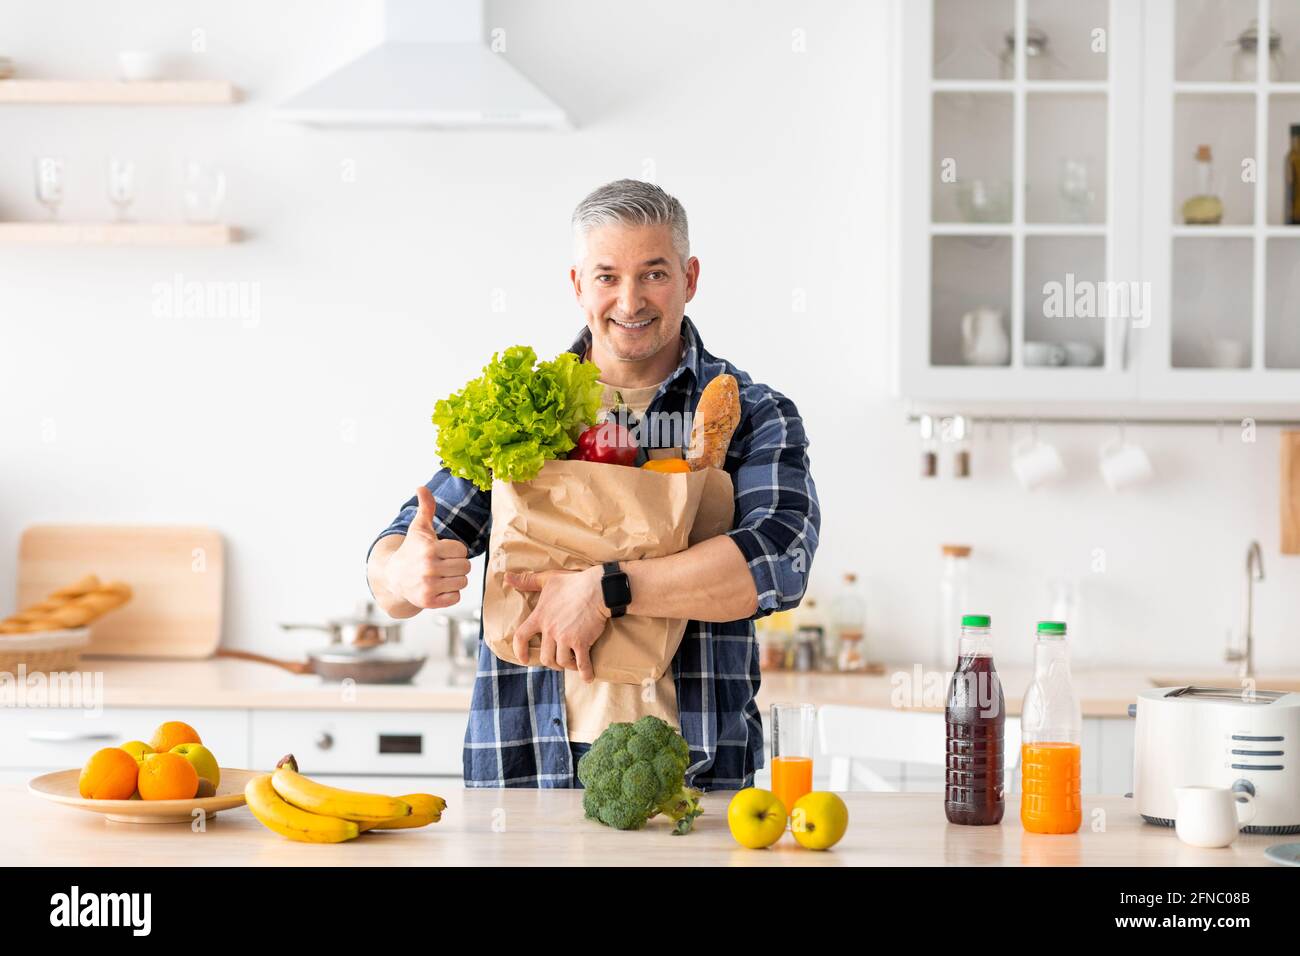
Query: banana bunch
{"type": "Point", "coordinates": [301, 809]}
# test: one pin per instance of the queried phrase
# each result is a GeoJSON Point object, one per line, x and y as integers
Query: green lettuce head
{"type": "Point", "coordinates": [516, 416]}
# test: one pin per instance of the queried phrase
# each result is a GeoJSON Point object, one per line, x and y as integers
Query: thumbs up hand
{"type": "Point", "coordinates": [426, 571]}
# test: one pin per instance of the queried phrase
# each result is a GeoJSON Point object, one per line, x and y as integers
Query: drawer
{"type": "Point", "coordinates": [361, 742]}
{"type": "Point", "coordinates": [59, 738]}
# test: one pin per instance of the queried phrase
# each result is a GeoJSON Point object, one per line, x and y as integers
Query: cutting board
{"type": "Point", "coordinates": [176, 573]}
{"type": "Point", "coordinates": [1291, 492]}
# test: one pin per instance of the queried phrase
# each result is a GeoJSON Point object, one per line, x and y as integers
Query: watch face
{"type": "Point", "coordinates": [617, 591]}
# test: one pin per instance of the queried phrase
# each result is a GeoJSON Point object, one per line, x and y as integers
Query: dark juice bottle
{"type": "Point", "coordinates": [975, 716]}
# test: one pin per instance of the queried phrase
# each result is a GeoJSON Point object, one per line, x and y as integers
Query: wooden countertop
{"type": "Point", "coordinates": [547, 827]}
{"type": "Point", "coordinates": [221, 682]}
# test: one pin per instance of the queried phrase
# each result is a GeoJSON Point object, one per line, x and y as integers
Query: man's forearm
{"type": "Point", "coordinates": [707, 582]}
{"type": "Point", "coordinates": [392, 605]}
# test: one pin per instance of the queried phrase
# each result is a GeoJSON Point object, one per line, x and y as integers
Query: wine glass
{"type": "Point", "coordinates": [121, 185]}
{"type": "Point", "coordinates": [49, 183]}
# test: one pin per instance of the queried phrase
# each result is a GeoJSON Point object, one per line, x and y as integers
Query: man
{"type": "Point", "coordinates": [633, 275]}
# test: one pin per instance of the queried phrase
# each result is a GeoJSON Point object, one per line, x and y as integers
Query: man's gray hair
{"type": "Point", "coordinates": [631, 202]}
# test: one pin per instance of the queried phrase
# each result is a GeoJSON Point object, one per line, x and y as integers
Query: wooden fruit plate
{"type": "Point", "coordinates": [61, 787]}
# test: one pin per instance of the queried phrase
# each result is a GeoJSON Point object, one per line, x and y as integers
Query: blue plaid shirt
{"type": "Point", "coordinates": [517, 734]}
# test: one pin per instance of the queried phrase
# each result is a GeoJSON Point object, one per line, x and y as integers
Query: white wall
{"type": "Point", "coordinates": [376, 299]}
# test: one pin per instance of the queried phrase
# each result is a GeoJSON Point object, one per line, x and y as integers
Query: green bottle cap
{"type": "Point", "coordinates": [975, 620]}
{"type": "Point", "coordinates": [1051, 627]}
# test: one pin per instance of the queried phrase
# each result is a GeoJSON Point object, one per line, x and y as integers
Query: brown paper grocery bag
{"type": "Point", "coordinates": [578, 513]}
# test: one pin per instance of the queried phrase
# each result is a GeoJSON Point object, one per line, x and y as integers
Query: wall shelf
{"type": "Point", "coordinates": [119, 233]}
{"type": "Point", "coordinates": [118, 92]}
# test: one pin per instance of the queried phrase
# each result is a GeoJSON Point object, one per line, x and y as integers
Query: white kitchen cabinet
{"type": "Point", "coordinates": [362, 743]}
{"type": "Point", "coordinates": [1222, 295]}
{"type": "Point", "coordinates": [346, 742]}
{"type": "Point", "coordinates": [59, 738]}
{"type": "Point", "coordinates": [1107, 763]}
{"type": "Point", "coordinates": [1028, 178]}
{"type": "Point", "coordinates": [1019, 195]}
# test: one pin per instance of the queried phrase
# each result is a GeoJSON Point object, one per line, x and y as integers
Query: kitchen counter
{"type": "Point", "coordinates": [225, 682]}
{"type": "Point", "coordinates": [547, 827]}
{"type": "Point", "coordinates": [221, 682]}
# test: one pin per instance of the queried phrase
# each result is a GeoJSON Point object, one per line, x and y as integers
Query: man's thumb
{"type": "Point", "coordinates": [426, 511]}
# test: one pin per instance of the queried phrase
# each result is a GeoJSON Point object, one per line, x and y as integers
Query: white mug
{"type": "Point", "coordinates": [1211, 816]}
{"type": "Point", "coordinates": [1035, 462]}
{"type": "Point", "coordinates": [1123, 463]}
{"type": "Point", "coordinates": [1044, 353]}
{"type": "Point", "coordinates": [1081, 353]}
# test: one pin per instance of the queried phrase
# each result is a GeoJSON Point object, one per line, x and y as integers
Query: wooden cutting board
{"type": "Point", "coordinates": [177, 575]}
{"type": "Point", "coordinates": [1291, 492]}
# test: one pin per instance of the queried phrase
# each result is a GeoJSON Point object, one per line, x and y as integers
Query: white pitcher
{"type": "Point", "coordinates": [984, 339]}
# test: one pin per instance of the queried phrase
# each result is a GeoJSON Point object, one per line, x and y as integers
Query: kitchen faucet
{"type": "Point", "coordinates": [1245, 655]}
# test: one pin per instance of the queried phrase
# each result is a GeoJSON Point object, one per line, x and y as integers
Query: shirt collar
{"type": "Point", "coordinates": [690, 361]}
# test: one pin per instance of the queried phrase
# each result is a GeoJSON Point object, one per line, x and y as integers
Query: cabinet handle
{"type": "Point", "coordinates": [324, 741]}
{"type": "Point", "coordinates": [65, 736]}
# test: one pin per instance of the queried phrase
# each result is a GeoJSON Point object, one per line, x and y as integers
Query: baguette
{"type": "Point", "coordinates": [75, 590]}
{"type": "Point", "coordinates": [73, 606]}
{"type": "Point", "coordinates": [716, 419]}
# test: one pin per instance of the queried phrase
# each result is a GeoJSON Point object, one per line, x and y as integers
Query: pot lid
{"type": "Point", "coordinates": [363, 615]}
{"type": "Point", "coordinates": [344, 654]}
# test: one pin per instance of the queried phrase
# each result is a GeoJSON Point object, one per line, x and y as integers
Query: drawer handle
{"type": "Point", "coordinates": [65, 736]}
{"type": "Point", "coordinates": [324, 741]}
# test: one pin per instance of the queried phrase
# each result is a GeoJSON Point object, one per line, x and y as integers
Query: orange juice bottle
{"type": "Point", "coordinates": [1051, 725]}
{"type": "Point", "coordinates": [791, 779]}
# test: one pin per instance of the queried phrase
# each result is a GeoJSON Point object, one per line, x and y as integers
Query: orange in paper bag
{"type": "Point", "coordinates": [575, 514]}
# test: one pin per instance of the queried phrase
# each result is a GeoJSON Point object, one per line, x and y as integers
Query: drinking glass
{"type": "Point", "coordinates": [1077, 196]}
{"type": "Point", "coordinates": [205, 191]}
{"type": "Point", "coordinates": [49, 183]}
{"type": "Point", "coordinates": [792, 754]}
{"type": "Point", "coordinates": [121, 186]}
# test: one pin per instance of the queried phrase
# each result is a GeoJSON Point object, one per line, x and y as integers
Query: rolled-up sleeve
{"type": "Point", "coordinates": [463, 512]}
{"type": "Point", "coordinates": [777, 514]}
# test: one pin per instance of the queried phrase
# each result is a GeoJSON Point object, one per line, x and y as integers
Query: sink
{"type": "Point", "coordinates": [1289, 684]}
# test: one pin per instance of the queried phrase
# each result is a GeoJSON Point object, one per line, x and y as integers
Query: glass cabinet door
{"type": "Point", "coordinates": [1020, 229]}
{"type": "Point", "coordinates": [1222, 104]}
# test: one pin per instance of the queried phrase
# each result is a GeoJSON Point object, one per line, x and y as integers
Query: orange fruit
{"type": "Point", "coordinates": [109, 774]}
{"type": "Point", "coordinates": [171, 733]}
{"type": "Point", "coordinates": [667, 466]}
{"type": "Point", "coordinates": [168, 776]}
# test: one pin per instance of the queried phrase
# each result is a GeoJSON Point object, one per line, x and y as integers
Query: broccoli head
{"type": "Point", "coordinates": [636, 771]}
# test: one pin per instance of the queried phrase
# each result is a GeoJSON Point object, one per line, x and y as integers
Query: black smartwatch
{"type": "Point", "coordinates": [616, 589]}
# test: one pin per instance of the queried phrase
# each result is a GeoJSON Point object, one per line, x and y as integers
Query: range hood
{"type": "Point", "coordinates": [433, 69]}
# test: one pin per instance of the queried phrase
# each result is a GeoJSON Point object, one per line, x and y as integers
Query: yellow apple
{"type": "Point", "coordinates": [819, 820]}
{"type": "Point", "coordinates": [202, 759]}
{"type": "Point", "coordinates": [137, 749]}
{"type": "Point", "coordinates": [756, 818]}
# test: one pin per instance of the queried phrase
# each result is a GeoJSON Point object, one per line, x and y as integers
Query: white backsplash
{"type": "Point", "coordinates": [389, 266]}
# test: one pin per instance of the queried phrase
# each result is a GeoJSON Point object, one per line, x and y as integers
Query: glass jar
{"type": "Point", "coordinates": [773, 647]}
{"type": "Point", "coordinates": [812, 629]}
{"type": "Point", "coordinates": [849, 622]}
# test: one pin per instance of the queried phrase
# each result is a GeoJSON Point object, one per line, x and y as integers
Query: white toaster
{"type": "Point", "coordinates": [1219, 737]}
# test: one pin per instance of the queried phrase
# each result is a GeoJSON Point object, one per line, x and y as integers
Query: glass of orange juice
{"type": "Point", "coordinates": [792, 754]}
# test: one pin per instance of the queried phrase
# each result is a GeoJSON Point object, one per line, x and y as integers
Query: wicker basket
{"type": "Point", "coordinates": [44, 651]}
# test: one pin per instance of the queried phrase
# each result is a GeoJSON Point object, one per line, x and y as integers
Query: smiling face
{"type": "Point", "coordinates": [633, 289]}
